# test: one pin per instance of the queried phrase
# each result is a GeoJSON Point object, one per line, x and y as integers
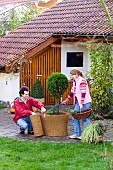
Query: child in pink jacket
{"type": "Point", "coordinates": [82, 100]}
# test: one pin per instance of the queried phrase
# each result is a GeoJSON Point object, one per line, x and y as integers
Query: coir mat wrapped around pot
{"type": "Point", "coordinates": [37, 125]}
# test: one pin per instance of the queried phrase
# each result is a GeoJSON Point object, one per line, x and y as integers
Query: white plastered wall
{"type": "Point", "coordinates": [74, 47]}
{"type": "Point", "coordinates": [9, 86]}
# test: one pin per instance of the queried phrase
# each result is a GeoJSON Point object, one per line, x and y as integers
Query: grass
{"type": "Point", "coordinates": [27, 155]}
{"type": "Point", "coordinates": [2, 106]}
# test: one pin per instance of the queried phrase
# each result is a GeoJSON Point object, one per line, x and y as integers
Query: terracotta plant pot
{"type": "Point", "coordinates": [100, 138]}
{"type": "Point", "coordinates": [12, 110]}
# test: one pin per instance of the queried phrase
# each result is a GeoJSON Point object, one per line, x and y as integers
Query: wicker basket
{"type": "Point", "coordinates": [37, 125]}
{"type": "Point", "coordinates": [55, 125]}
{"type": "Point", "coordinates": [83, 115]}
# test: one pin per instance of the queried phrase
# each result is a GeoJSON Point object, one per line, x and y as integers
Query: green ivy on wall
{"type": "Point", "coordinates": [101, 73]}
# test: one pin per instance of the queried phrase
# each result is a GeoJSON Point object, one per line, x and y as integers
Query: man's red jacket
{"type": "Point", "coordinates": [23, 110]}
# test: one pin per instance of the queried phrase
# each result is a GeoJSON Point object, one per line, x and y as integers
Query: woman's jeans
{"type": "Point", "coordinates": [76, 122]}
{"type": "Point", "coordinates": [25, 123]}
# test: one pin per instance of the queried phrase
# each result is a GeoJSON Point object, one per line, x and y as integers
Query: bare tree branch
{"type": "Point", "coordinates": [107, 12]}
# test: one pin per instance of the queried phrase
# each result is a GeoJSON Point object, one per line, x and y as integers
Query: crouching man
{"type": "Point", "coordinates": [23, 110]}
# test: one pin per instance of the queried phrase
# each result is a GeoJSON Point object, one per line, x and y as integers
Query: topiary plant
{"type": "Point", "coordinates": [37, 90]}
{"type": "Point", "coordinates": [57, 84]}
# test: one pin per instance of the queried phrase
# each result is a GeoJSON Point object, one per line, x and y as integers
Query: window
{"type": "Point", "coordinates": [2, 68]}
{"type": "Point", "coordinates": [74, 59]}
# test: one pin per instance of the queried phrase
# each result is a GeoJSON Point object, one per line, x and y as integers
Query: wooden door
{"type": "Point", "coordinates": [41, 66]}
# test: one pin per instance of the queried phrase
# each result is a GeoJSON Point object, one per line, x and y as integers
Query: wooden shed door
{"type": "Point", "coordinates": [41, 66]}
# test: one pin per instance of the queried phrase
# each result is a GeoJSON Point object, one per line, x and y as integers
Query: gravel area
{"type": "Point", "coordinates": [9, 129]}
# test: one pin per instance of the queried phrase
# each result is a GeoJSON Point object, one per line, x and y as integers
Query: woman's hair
{"type": "Point", "coordinates": [24, 88]}
{"type": "Point", "coordinates": [74, 72]}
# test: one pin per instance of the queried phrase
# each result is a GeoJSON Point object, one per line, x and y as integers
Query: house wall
{"type": "Point", "coordinates": [74, 47]}
{"type": "Point", "coordinates": [9, 86]}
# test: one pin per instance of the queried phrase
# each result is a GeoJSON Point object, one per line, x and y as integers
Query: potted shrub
{"type": "Point", "coordinates": [57, 84]}
{"type": "Point", "coordinates": [93, 133]}
{"type": "Point", "coordinates": [37, 92]}
{"type": "Point", "coordinates": [55, 122]}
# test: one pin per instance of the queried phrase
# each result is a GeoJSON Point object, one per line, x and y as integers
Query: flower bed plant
{"type": "Point", "coordinates": [92, 132]}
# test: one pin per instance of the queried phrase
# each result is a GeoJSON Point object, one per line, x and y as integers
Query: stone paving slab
{"type": "Point", "coordinates": [9, 129]}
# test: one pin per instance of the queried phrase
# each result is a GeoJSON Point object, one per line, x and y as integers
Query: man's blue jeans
{"type": "Point", "coordinates": [25, 123]}
{"type": "Point", "coordinates": [76, 122]}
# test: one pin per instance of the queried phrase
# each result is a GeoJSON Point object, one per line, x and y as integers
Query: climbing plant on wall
{"type": "Point", "coordinates": [101, 56]}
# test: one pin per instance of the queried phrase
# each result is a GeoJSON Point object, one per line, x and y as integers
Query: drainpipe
{"type": "Point", "coordinates": [21, 62]}
{"type": "Point", "coordinates": [20, 71]}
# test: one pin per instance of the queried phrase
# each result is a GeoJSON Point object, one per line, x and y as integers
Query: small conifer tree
{"type": "Point", "coordinates": [37, 90]}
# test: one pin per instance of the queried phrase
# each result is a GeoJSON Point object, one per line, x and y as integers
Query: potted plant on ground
{"type": "Point", "coordinates": [37, 93]}
{"type": "Point", "coordinates": [93, 133]}
{"type": "Point", "coordinates": [55, 122]}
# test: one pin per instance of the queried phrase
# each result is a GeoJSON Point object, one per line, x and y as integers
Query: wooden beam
{"type": "Point", "coordinates": [40, 47]}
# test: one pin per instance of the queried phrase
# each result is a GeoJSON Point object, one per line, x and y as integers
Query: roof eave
{"type": "Point", "coordinates": [80, 36]}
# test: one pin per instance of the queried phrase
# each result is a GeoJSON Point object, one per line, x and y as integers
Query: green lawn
{"type": "Point", "coordinates": [27, 155]}
{"type": "Point", "coordinates": [2, 106]}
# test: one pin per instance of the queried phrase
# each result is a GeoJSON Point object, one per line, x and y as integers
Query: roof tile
{"type": "Point", "coordinates": [68, 17]}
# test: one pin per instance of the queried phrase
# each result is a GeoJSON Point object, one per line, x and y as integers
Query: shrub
{"type": "Point", "coordinates": [92, 132]}
{"type": "Point", "coordinates": [37, 90]}
{"type": "Point", "coordinates": [102, 75]}
{"type": "Point", "coordinates": [57, 83]}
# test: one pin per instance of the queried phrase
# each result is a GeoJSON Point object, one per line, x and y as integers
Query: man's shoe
{"type": "Point", "coordinates": [30, 132]}
{"type": "Point", "coordinates": [75, 137]}
{"type": "Point", "coordinates": [21, 131]}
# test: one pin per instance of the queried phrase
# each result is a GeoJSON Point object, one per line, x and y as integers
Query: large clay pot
{"type": "Point", "coordinates": [55, 125]}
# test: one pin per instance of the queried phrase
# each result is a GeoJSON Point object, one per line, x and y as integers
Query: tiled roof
{"type": "Point", "coordinates": [68, 17]}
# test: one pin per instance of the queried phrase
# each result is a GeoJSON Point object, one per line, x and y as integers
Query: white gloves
{"type": "Point", "coordinates": [33, 113]}
{"type": "Point", "coordinates": [81, 106]}
{"type": "Point", "coordinates": [64, 102]}
{"type": "Point", "coordinates": [43, 110]}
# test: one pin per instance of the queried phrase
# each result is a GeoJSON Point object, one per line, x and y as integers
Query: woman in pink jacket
{"type": "Point", "coordinates": [82, 100]}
